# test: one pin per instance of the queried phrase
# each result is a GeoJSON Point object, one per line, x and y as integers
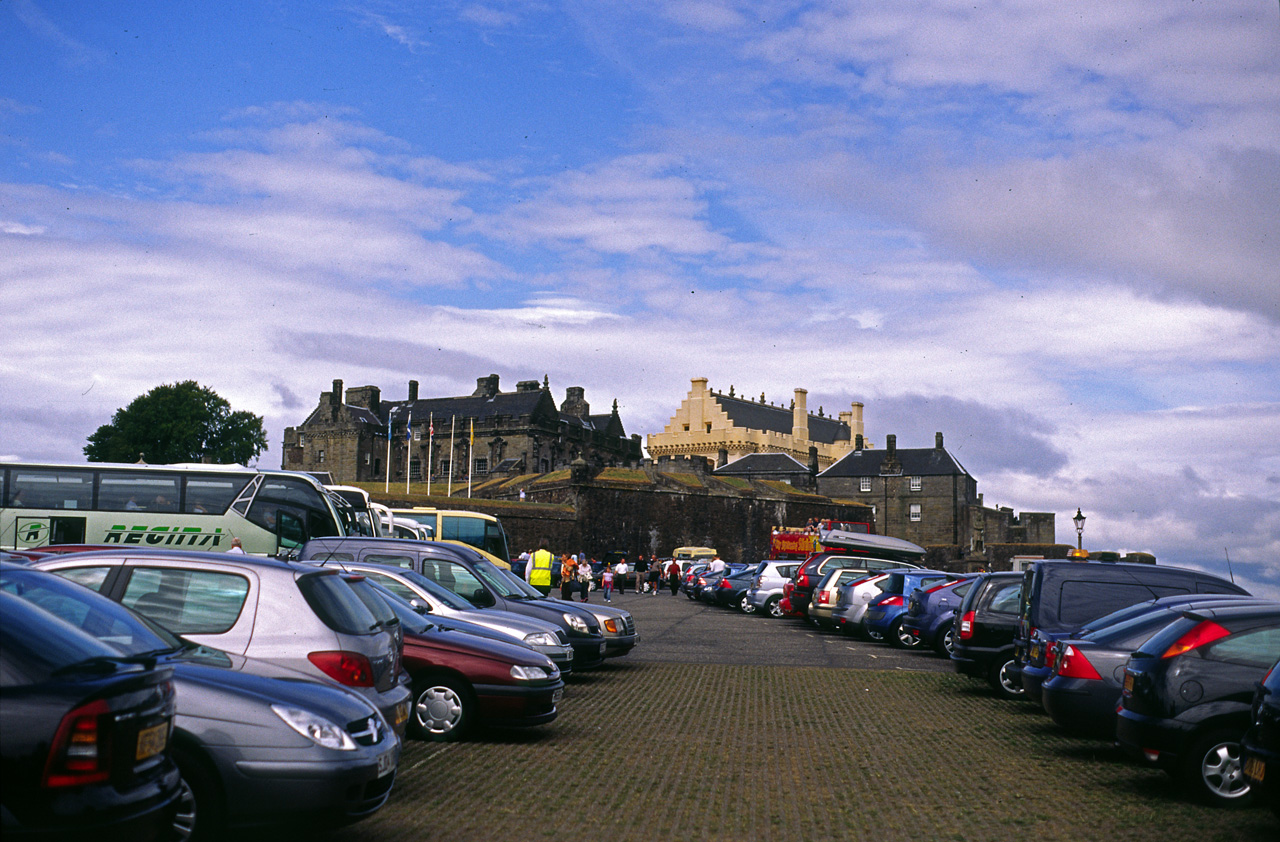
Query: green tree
{"type": "Point", "coordinates": [182, 422]}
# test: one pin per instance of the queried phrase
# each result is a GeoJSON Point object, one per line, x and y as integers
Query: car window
{"type": "Point", "coordinates": [1259, 647]}
{"type": "Point", "coordinates": [91, 577]}
{"type": "Point", "coordinates": [187, 601]}
{"type": "Point", "coordinates": [962, 588]}
{"type": "Point", "coordinates": [392, 584]}
{"type": "Point", "coordinates": [333, 557]}
{"type": "Point", "coordinates": [392, 560]}
{"type": "Point", "coordinates": [452, 577]}
{"type": "Point", "coordinates": [336, 604]}
{"type": "Point", "coordinates": [1080, 601]}
{"type": "Point", "coordinates": [95, 615]}
{"type": "Point", "coordinates": [930, 581]}
{"type": "Point", "coordinates": [1006, 599]}
{"type": "Point", "coordinates": [34, 643]}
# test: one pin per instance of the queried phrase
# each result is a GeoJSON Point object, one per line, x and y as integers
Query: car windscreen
{"type": "Point", "coordinates": [448, 597]}
{"type": "Point", "coordinates": [505, 583]}
{"type": "Point", "coordinates": [411, 620]}
{"type": "Point", "coordinates": [335, 603]}
{"type": "Point", "coordinates": [36, 644]}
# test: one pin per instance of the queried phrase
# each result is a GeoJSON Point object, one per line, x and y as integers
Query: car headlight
{"type": "Point", "coordinates": [541, 639]}
{"type": "Point", "coordinates": [576, 623]}
{"type": "Point", "coordinates": [315, 728]}
{"type": "Point", "coordinates": [521, 672]}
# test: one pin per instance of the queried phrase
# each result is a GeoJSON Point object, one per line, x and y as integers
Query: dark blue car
{"type": "Point", "coordinates": [931, 613]}
{"type": "Point", "coordinates": [886, 612]}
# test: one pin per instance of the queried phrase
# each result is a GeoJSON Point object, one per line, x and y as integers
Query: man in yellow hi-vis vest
{"type": "Point", "coordinates": [540, 568]}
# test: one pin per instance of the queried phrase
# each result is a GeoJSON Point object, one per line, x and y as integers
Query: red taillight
{"type": "Point", "coordinates": [725, 583]}
{"type": "Point", "coordinates": [822, 598]}
{"type": "Point", "coordinates": [1205, 631]}
{"type": "Point", "coordinates": [349, 668]}
{"type": "Point", "coordinates": [966, 626]}
{"type": "Point", "coordinates": [1050, 654]}
{"type": "Point", "coordinates": [940, 587]}
{"type": "Point", "coordinates": [1076, 665]}
{"type": "Point", "coordinates": [802, 581]}
{"type": "Point", "coordinates": [80, 751]}
{"type": "Point", "coordinates": [893, 600]}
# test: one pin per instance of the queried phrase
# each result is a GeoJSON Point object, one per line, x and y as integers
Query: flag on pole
{"type": "Point", "coordinates": [431, 434]}
{"type": "Point", "coordinates": [408, 451]}
{"type": "Point", "coordinates": [471, 455]}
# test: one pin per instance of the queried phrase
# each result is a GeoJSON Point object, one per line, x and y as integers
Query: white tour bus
{"type": "Point", "coordinates": [190, 507]}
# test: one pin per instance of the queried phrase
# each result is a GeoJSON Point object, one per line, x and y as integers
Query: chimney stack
{"type": "Point", "coordinates": [937, 440]}
{"type": "Point", "coordinates": [800, 417]}
{"type": "Point", "coordinates": [413, 390]}
{"type": "Point", "coordinates": [857, 442]}
{"type": "Point", "coordinates": [891, 444]}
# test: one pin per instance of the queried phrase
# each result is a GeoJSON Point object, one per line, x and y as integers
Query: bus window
{"type": "Point", "coordinates": [289, 528]}
{"type": "Point", "coordinates": [50, 488]}
{"type": "Point", "coordinates": [211, 495]}
{"type": "Point", "coordinates": [137, 492]}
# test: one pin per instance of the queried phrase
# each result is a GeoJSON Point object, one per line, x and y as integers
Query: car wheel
{"type": "Point", "coordinates": [900, 638]}
{"type": "Point", "coordinates": [1212, 769]}
{"type": "Point", "coordinates": [747, 606]}
{"type": "Point", "coordinates": [1002, 680]}
{"type": "Point", "coordinates": [442, 709]}
{"type": "Point", "coordinates": [774, 608]}
{"type": "Point", "coordinates": [869, 633]}
{"type": "Point", "coordinates": [200, 813]}
{"type": "Point", "coordinates": [946, 641]}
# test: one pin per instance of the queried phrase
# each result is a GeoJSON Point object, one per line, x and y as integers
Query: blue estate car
{"type": "Point", "coordinates": [886, 612]}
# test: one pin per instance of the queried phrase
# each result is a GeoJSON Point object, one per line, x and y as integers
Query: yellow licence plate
{"type": "Point", "coordinates": [1128, 682]}
{"type": "Point", "coordinates": [1255, 769]}
{"type": "Point", "coordinates": [151, 741]}
{"type": "Point", "coordinates": [402, 714]}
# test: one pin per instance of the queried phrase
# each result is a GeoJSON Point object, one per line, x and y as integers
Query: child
{"type": "Point", "coordinates": [606, 582]}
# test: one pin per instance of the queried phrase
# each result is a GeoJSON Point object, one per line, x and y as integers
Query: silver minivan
{"type": "Point", "coordinates": [296, 615]}
{"type": "Point", "coordinates": [765, 592]}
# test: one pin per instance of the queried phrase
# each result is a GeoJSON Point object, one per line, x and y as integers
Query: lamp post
{"type": "Point", "coordinates": [1078, 520]}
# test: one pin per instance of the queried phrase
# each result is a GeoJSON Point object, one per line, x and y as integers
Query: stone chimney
{"type": "Point", "coordinates": [722, 458]}
{"type": "Point", "coordinates": [891, 465]}
{"type": "Point", "coordinates": [335, 400]}
{"type": "Point", "coordinates": [413, 390]}
{"type": "Point", "coordinates": [857, 442]}
{"type": "Point", "coordinates": [486, 387]}
{"type": "Point", "coordinates": [800, 417]}
{"type": "Point", "coordinates": [528, 386]}
{"type": "Point", "coordinates": [937, 440]}
{"type": "Point", "coordinates": [369, 397]}
{"type": "Point", "coordinates": [575, 402]}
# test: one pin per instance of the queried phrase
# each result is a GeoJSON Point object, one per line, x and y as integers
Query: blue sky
{"type": "Point", "coordinates": [1050, 233]}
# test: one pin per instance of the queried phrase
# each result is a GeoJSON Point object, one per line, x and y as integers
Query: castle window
{"type": "Point", "coordinates": [916, 483]}
{"type": "Point", "coordinates": [708, 426]}
{"type": "Point", "coordinates": [482, 465]}
{"type": "Point", "coordinates": [864, 484]}
{"type": "Point", "coordinates": [366, 458]}
{"type": "Point", "coordinates": [302, 439]}
{"type": "Point", "coordinates": [686, 428]}
{"type": "Point", "coordinates": [320, 456]}
{"type": "Point", "coordinates": [915, 512]}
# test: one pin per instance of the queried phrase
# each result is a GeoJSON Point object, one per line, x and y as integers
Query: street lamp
{"type": "Point", "coordinates": [1078, 520]}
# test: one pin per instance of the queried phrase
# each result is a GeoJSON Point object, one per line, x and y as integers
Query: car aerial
{"type": "Point", "coordinates": [1086, 671]}
{"type": "Point", "coordinates": [886, 612]}
{"type": "Point", "coordinates": [810, 572]}
{"type": "Point", "coordinates": [466, 573]}
{"type": "Point", "coordinates": [424, 594]}
{"type": "Point", "coordinates": [460, 680]}
{"type": "Point", "coordinates": [931, 613]}
{"type": "Point", "coordinates": [1260, 745]}
{"type": "Point", "coordinates": [987, 622]}
{"type": "Point", "coordinates": [765, 593]}
{"type": "Point", "coordinates": [1187, 694]}
{"type": "Point", "coordinates": [83, 747]}
{"type": "Point", "coordinates": [1059, 597]}
{"type": "Point", "coordinates": [256, 745]}
{"type": "Point", "coordinates": [616, 624]}
{"type": "Point", "coordinates": [290, 614]}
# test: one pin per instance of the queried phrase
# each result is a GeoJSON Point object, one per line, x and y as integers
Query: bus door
{"type": "Point", "coordinates": [41, 531]}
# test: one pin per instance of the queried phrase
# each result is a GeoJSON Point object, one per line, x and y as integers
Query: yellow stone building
{"type": "Point", "coordinates": [724, 428]}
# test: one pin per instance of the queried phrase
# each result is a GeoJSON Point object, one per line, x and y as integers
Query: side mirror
{"type": "Point", "coordinates": [420, 606]}
{"type": "Point", "coordinates": [481, 598]}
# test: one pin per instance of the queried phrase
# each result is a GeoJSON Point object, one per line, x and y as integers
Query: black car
{"type": "Point", "coordinates": [1060, 597]}
{"type": "Point", "coordinates": [986, 623]}
{"type": "Point", "coordinates": [1188, 691]}
{"type": "Point", "coordinates": [1260, 746]}
{"type": "Point", "coordinates": [84, 734]}
{"type": "Point", "coordinates": [1083, 689]}
{"type": "Point", "coordinates": [468, 574]}
{"type": "Point", "coordinates": [731, 590]}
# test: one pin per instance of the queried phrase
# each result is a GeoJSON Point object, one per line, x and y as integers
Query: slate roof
{"type": "Point", "coordinates": [757, 464]}
{"type": "Point", "coordinates": [916, 462]}
{"type": "Point", "coordinates": [779, 419]}
{"type": "Point", "coordinates": [470, 406]}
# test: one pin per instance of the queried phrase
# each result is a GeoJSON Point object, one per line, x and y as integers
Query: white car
{"type": "Point", "coordinates": [851, 604]}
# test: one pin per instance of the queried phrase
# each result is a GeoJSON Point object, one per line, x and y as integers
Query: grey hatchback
{"type": "Point", "coordinates": [294, 615]}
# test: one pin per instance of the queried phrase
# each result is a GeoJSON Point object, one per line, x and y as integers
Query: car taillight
{"type": "Point", "coordinates": [1205, 631]}
{"type": "Point", "coordinates": [1051, 654]}
{"type": "Point", "coordinates": [822, 598]}
{"type": "Point", "coordinates": [348, 668]}
{"type": "Point", "coordinates": [755, 583]}
{"type": "Point", "coordinates": [893, 600]}
{"type": "Point", "coordinates": [802, 581]}
{"type": "Point", "coordinates": [725, 583]}
{"type": "Point", "coordinates": [1076, 665]}
{"type": "Point", "coordinates": [940, 587]}
{"type": "Point", "coordinates": [80, 753]}
{"type": "Point", "coordinates": [966, 626]}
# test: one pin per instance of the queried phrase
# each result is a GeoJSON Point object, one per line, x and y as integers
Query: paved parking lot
{"type": "Point", "coordinates": [724, 726]}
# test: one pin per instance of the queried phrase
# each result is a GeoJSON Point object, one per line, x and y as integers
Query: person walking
{"type": "Point", "coordinates": [584, 576]}
{"type": "Point", "coordinates": [540, 568]}
{"type": "Point", "coordinates": [568, 578]}
{"type": "Point", "coordinates": [620, 579]}
{"type": "Point", "coordinates": [655, 577]}
{"type": "Point", "coordinates": [606, 582]}
{"type": "Point", "coordinates": [642, 569]}
{"type": "Point", "coordinates": [673, 576]}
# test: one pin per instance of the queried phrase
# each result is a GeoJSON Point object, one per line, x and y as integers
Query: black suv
{"type": "Point", "coordinates": [986, 623]}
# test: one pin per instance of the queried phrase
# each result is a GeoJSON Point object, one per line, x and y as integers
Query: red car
{"type": "Point", "coordinates": [460, 679]}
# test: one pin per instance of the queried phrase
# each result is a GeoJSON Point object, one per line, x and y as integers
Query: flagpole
{"type": "Point", "coordinates": [453, 429]}
{"type": "Point", "coordinates": [387, 486]}
{"type": "Point", "coordinates": [471, 456]}
{"type": "Point", "coordinates": [431, 434]}
{"type": "Point", "coordinates": [408, 451]}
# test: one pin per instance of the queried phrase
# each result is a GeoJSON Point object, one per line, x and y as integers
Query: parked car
{"type": "Point", "coordinates": [1187, 694]}
{"type": "Point", "coordinates": [1260, 745]}
{"type": "Point", "coordinates": [1083, 687]}
{"type": "Point", "coordinates": [425, 595]}
{"type": "Point", "coordinates": [987, 624]}
{"type": "Point", "coordinates": [460, 680]}
{"type": "Point", "coordinates": [256, 744]}
{"type": "Point", "coordinates": [852, 599]}
{"type": "Point", "coordinates": [765, 592]}
{"type": "Point", "coordinates": [810, 572]}
{"type": "Point", "coordinates": [886, 612]}
{"type": "Point", "coordinates": [290, 614]}
{"type": "Point", "coordinates": [616, 624]}
{"type": "Point", "coordinates": [823, 602]}
{"type": "Point", "coordinates": [931, 612]}
{"type": "Point", "coordinates": [469, 575]}
{"type": "Point", "coordinates": [731, 590]}
{"type": "Point", "coordinates": [1059, 597]}
{"type": "Point", "coordinates": [84, 736]}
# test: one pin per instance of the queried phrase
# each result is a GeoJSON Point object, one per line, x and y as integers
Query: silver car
{"type": "Point", "coordinates": [852, 600]}
{"type": "Point", "coordinates": [291, 614]}
{"type": "Point", "coordinates": [765, 594]}
{"type": "Point", "coordinates": [439, 601]}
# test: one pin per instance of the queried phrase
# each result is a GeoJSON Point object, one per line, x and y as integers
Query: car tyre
{"type": "Point", "coordinates": [200, 813]}
{"type": "Point", "coordinates": [900, 638]}
{"type": "Point", "coordinates": [774, 608]}
{"type": "Point", "coordinates": [1213, 770]}
{"type": "Point", "coordinates": [1002, 680]}
{"type": "Point", "coordinates": [746, 606]}
{"type": "Point", "coordinates": [870, 634]}
{"type": "Point", "coordinates": [442, 709]}
{"type": "Point", "coordinates": [946, 641]}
